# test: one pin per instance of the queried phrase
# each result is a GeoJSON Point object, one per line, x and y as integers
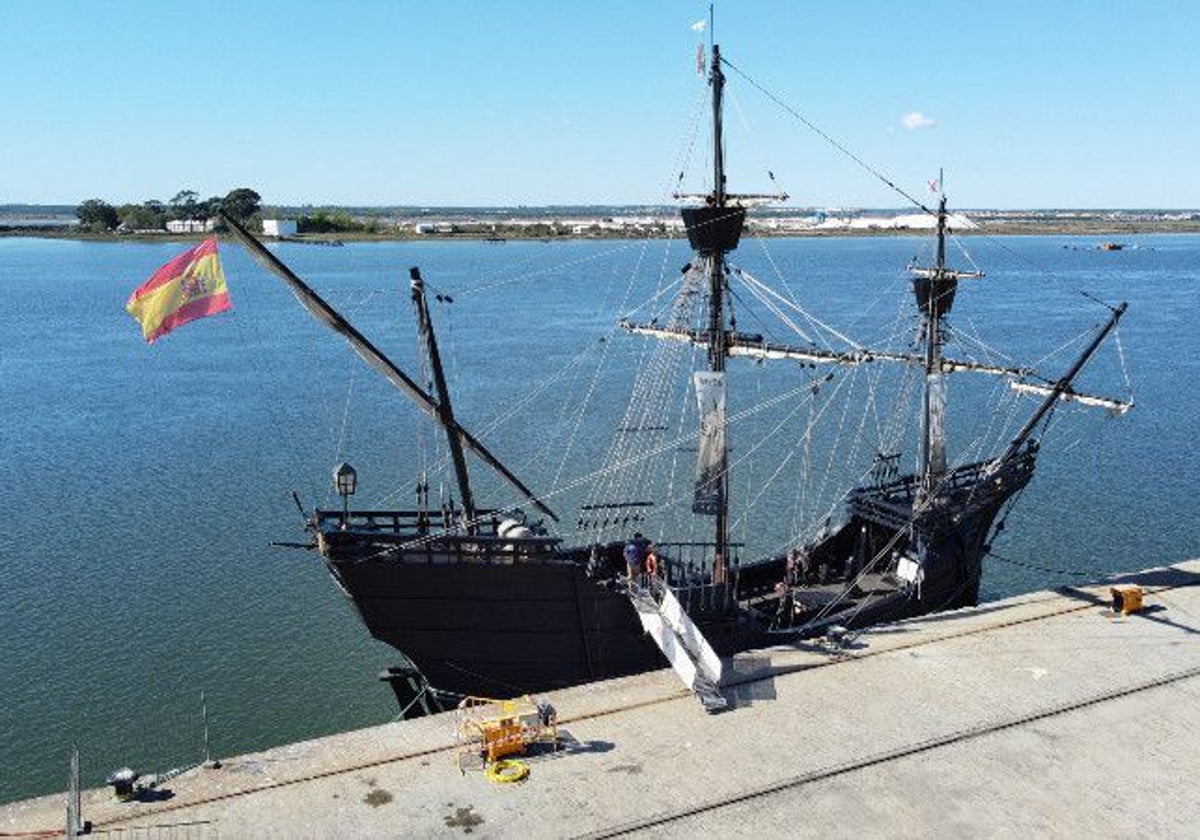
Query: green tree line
{"type": "Point", "coordinates": [95, 214]}
{"type": "Point", "coordinates": [335, 221]}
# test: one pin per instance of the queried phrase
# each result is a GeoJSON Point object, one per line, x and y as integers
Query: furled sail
{"type": "Point", "coordinates": [710, 462]}
{"type": "Point", "coordinates": [935, 437]}
{"type": "Point", "coordinates": [1114, 406]}
{"type": "Point", "coordinates": [754, 347]}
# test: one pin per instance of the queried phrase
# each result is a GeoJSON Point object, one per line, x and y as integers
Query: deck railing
{"type": "Point", "coordinates": [424, 537]}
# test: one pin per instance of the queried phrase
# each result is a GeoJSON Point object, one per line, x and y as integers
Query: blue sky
{"type": "Point", "coordinates": [1026, 104]}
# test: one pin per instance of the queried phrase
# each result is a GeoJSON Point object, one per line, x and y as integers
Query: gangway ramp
{"type": "Point", "coordinates": [690, 654]}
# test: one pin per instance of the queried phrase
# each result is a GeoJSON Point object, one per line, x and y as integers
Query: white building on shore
{"type": "Point", "coordinates": [191, 225]}
{"type": "Point", "coordinates": [279, 227]}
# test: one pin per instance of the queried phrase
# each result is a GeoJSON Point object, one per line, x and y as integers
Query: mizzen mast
{"type": "Point", "coordinates": [445, 410]}
{"type": "Point", "coordinates": [325, 314]}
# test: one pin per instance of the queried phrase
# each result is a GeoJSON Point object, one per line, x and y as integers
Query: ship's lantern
{"type": "Point", "coordinates": [345, 481]}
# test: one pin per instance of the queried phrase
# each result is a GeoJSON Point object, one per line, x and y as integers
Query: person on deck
{"type": "Point", "coordinates": [651, 562]}
{"type": "Point", "coordinates": [633, 560]}
{"type": "Point", "coordinates": [791, 567]}
{"type": "Point", "coordinates": [851, 567]}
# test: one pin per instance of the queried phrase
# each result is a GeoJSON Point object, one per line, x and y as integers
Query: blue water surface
{"type": "Point", "coordinates": [143, 484]}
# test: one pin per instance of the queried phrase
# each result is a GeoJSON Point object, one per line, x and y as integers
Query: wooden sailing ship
{"type": "Point", "coordinates": [488, 602]}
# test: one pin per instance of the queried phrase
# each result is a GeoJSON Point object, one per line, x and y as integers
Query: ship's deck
{"type": "Point", "coordinates": [1041, 715]}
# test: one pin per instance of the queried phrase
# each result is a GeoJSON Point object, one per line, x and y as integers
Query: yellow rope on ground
{"type": "Point", "coordinates": [508, 770]}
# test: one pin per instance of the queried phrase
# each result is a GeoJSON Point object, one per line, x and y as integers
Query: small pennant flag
{"type": "Point", "coordinates": [699, 25]}
{"type": "Point", "coordinates": [935, 185]}
{"type": "Point", "coordinates": [190, 286]}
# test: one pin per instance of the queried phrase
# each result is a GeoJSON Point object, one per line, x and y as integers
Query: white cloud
{"type": "Point", "coordinates": [915, 120]}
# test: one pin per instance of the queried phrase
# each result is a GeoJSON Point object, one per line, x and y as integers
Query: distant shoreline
{"type": "Point", "coordinates": [500, 232]}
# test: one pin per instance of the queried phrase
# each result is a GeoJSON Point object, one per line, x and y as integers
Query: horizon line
{"type": "Point", "coordinates": [428, 207]}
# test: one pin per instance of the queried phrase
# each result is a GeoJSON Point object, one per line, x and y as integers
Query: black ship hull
{"type": "Point", "coordinates": [497, 629]}
{"type": "Point", "coordinates": [487, 615]}
{"type": "Point", "coordinates": [481, 615]}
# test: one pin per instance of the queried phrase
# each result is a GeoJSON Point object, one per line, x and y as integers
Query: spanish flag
{"type": "Point", "coordinates": [190, 286]}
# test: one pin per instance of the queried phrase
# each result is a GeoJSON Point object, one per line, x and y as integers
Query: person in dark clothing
{"type": "Point", "coordinates": [633, 560]}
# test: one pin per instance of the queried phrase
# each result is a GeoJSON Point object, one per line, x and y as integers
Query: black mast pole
{"type": "Point", "coordinates": [1062, 386]}
{"type": "Point", "coordinates": [717, 349]}
{"type": "Point", "coordinates": [327, 315]}
{"type": "Point", "coordinates": [933, 437]}
{"type": "Point", "coordinates": [718, 86]}
{"type": "Point", "coordinates": [444, 408]}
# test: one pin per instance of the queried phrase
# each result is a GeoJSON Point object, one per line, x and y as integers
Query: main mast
{"type": "Point", "coordinates": [716, 324]}
{"type": "Point", "coordinates": [714, 230]}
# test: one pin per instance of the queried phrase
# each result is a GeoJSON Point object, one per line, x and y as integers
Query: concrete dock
{"type": "Point", "coordinates": [1044, 715]}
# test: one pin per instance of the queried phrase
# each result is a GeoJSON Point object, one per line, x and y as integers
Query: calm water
{"type": "Point", "coordinates": [143, 484]}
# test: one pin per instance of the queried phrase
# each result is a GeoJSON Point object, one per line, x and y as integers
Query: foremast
{"type": "Point", "coordinates": [935, 289]}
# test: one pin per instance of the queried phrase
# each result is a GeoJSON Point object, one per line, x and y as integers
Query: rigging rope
{"type": "Point", "coordinates": [737, 104]}
{"type": "Point", "coordinates": [1121, 360]}
{"type": "Point", "coordinates": [839, 146]}
{"type": "Point", "coordinates": [1089, 575]}
{"type": "Point", "coordinates": [791, 304]}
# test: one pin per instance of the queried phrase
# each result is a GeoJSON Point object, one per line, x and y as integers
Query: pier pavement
{"type": "Point", "coordinates": [1045, 714]}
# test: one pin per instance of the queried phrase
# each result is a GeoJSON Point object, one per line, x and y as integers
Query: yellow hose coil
{"type": "Point", "coordinates": [508, 770]}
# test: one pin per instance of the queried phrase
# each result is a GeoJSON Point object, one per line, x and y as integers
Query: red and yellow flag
{"type": "Point", "coordinates": [190, 286]}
